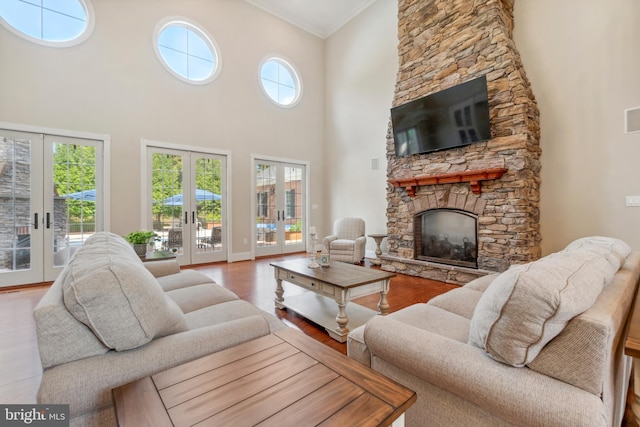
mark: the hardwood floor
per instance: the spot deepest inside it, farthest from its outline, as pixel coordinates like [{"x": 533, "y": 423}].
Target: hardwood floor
[{"x": 20, "y": 369}]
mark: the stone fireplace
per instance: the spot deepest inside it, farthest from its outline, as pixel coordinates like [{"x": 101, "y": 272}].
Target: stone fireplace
[{"x": 493, "y": 185}]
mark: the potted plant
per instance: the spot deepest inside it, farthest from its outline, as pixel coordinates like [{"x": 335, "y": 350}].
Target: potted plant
[
  {"x": 294, "y": 232},
  {"x": 139, "y": 239}
]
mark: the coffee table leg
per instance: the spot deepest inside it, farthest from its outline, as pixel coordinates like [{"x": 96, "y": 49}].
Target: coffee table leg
[
  {"x": 383, "y": 305},
  {"x": 279, "y": 293},
  {"x": 342, "y": 319}
]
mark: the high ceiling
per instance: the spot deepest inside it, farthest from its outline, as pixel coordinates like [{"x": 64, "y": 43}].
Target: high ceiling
[{"x": 319, "y": 17}]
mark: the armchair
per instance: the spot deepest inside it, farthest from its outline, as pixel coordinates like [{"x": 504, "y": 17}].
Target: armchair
[{"x": 347, "y": 243}]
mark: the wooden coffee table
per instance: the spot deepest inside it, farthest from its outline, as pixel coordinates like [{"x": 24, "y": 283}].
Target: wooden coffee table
[
  {"x": 282, "y": 379},
  {"x": 336, "y": 284}
]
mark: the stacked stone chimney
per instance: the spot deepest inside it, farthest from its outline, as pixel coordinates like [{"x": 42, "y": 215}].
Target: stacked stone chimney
[{"x": 443, "y": 43}]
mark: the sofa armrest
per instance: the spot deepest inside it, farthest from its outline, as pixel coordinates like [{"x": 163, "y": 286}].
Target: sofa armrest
[
  {"x": 163, "y": 267},
  {"x": 86, "y": 384},
  {"x": 516, "y": 394}
]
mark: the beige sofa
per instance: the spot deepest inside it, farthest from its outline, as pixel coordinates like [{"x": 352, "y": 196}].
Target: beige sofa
[
  {"x": 110, "y": 319},
  {"x": 538, "y": 345}
]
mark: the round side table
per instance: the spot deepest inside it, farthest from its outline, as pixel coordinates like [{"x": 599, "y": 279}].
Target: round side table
[{"x": 378, "y": 239}]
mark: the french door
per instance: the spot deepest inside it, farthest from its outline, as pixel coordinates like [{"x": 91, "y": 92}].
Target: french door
[
  {"x": 187, "y": 203},
  {"x": 51, "y": 200},
  {"x": 280, "y": 202}
]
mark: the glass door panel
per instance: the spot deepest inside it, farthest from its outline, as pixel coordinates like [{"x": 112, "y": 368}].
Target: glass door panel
[
  {"x": 293, "y": 180},
  {"x": 280, "y": 207},
  {"x": 268, "y": 214},
  {"x": 74, "y": 172},
  {"x": 167, "y": 195},
  {"x": 208, "y": 222},
  {"x": 21, "y": 207}
]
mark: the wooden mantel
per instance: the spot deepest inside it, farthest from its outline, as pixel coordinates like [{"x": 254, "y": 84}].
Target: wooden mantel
[{"x": 474, "y": 178}]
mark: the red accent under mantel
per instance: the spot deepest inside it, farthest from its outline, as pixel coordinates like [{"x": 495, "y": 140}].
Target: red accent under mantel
[{"x": 473, "y": 177}]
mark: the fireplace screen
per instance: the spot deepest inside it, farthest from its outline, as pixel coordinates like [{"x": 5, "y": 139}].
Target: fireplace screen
[{"x": 447, "y": 236}]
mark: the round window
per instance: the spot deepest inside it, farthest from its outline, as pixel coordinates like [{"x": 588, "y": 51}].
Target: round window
[
  {"x": 50, "y": 23},
  {"x": 280, "y": 82},
  {"x": 187, "y": 51}
]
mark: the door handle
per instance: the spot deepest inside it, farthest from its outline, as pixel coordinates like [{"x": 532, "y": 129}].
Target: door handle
[
  {"x": 278, "y": 215},
  {"x": 35, "y": 220},
  {"x": 193, "y": 217},
  {"x": 48, "y": 220},
  {"x": 186, "y": 218}
]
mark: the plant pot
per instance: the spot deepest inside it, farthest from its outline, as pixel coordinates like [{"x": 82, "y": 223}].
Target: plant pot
[
  {"x": 293, "y": 235},
  {"x": 140, "y": 248}
]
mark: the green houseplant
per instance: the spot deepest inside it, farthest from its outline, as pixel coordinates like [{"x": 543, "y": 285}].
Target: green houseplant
[{"x": 139, "y": 239}]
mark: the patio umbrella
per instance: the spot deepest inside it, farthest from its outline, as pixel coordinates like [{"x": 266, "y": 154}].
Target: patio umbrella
[
  {"x": 84, "y": 195},
  {"x": 201, "y": 196}
]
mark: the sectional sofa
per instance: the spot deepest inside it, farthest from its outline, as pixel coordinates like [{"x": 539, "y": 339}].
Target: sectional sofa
[
  {"x": 538, "y": 345},
  {"x": 110, "y": 319}
]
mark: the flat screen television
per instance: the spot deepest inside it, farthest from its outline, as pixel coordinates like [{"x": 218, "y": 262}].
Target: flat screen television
[{"x": 450, "y": 118}]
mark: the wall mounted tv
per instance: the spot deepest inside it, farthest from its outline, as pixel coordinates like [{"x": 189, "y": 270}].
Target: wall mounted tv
[{"x": 453, "y": 117}]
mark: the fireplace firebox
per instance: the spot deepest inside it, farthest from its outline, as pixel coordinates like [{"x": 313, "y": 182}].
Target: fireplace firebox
[{"x": 446, "y": 236}]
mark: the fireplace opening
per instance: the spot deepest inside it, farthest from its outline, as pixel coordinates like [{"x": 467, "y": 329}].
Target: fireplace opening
[{"x": 446, "y": 236}]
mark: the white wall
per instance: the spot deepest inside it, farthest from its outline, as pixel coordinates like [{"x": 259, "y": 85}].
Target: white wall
[
  {"x": 360, "y": 73},
  {"x": 583, "y": 62},
  {"x": 113, "y": 84}
]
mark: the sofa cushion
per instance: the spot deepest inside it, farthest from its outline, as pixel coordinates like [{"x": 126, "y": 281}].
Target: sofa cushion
[
  {"x": 229, "y": 311},
  {"x": 112, "y": 293},
  {"x": 342, "y": 245},
  {"x": 609, "y": 244},
  {"x": 461, "y": 301},
  {"x": 434, "y": 319},
  {"x": 528, "y": 305},
  {"x": 196, "y": 297},
  {"x": 183, "y": 279},
  {"x": 481, "y": 283}
]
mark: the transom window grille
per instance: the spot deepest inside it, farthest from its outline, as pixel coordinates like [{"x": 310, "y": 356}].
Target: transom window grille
[
  {"x": 55, "y": 23},
  {"x": 187, "y": 51},
  {"x": 280, "y": 82}
]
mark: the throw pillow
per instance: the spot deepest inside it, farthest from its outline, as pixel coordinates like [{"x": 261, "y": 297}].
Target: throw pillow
[
  {"x": 117, "y": 298},
  {"x": 528, "y": 305},
  {"x": 614, "y": 249}
]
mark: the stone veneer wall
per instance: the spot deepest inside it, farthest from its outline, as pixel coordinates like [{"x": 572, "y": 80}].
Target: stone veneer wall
[{"x": 443, "y": 43}]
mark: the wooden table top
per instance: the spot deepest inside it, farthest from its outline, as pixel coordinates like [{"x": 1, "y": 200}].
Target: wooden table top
[
  {"x": 286, "y": 378},
  {"x": 339, "y": 274}
]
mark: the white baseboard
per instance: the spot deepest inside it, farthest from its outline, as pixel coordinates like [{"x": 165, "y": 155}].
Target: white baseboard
[{"x": 242, "y": 256}]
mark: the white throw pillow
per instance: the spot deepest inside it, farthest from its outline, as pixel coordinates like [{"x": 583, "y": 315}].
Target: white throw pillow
[
  {"x": 528, "y": 305},
  {"x": 614, "y": 249},
  {"x": 117, "y": 297}
]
